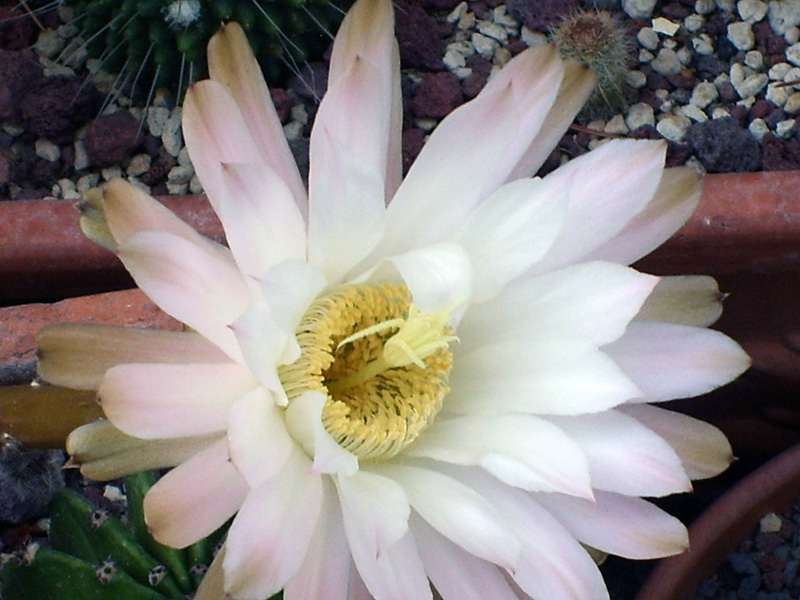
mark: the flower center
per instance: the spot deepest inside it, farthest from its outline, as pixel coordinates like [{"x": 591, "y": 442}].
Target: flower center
[{"x": 382, "y": 363}]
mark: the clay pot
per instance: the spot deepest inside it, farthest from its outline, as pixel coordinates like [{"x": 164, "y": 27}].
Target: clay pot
[{"x": 721, "y": 528}]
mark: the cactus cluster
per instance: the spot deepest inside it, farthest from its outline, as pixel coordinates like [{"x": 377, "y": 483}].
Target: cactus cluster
[
  {"x": 95, "y": 556},
  {"x": 597, "y": 39},
  {"x": 154, "y": 43}
]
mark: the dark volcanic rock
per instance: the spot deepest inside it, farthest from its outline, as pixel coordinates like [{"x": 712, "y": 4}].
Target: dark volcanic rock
[
  {"x": 18, "y": 71},
  {"x": 58, "y": 106},
  {"x": 780, "y": 155},
  {"x": 413, "y": 141},
  {"x": 418, "y": 36},
  {"x": 438, "y": 95},
  {"x": 111, "y": 139},
  {"x": 723, "y": 147},
  {"x": 17, "y": 30},
  {"x": 28, "y": 481},
  {"x": 542, "y": 15},
  {"x": 283, "y": 103}
]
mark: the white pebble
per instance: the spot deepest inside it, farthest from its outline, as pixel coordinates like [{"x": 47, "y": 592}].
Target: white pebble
[
  {"x": 177, "y": 189},
  {"x": 501, "y": 17},
  {"x": 673, "y": 127},
  {"x": 183, "y": 157},
  {"x": 754, "y": 59},
  {"x": 616, "y": 126},
  {"x": 138, "y": 165},
  {"x": 180, "y": 174},
  {"x": 684, "y": 55},
  {"x": 785, "y": 129},
  {"x": 13, "y": 129},
  {"x": 462, "y": 73},
  {"x": 293, "y": 130},
  {"x": 110, "y": 173},
  {"x": 783, "y": 15},
  {"x": 87, "y": 182},
  {"x": 464, "y": 48},
  {"x": 693, "y": 112},
  {"x": 466, "y": 22},
  {"x": 648, "y": 38},
  {"x": 156, "y": 119},
  {"x": 49, "y": 43},
  {"x": 704, "y": 7},
  {"x": 47, "y": 150},
  {"x": 726, "y": 5},
  {"x": 792, "y": 35},
  {"x": 741, "y": 35},
  {"x": 68, "y": 189},
  {"x": 751, "y": 85},
  {"x": 770, "y": 523},
  {"x": 751, "y": 11},
  {"x": 693, "y": 23},
  {"x": 703, "y": 44},
  {"x": 113, "y": 493},
  {"x": 758, "y": 127},
  {"x": 720, "y": 113},
  {"x": 533, "y": 38},
  {"x": 171, "y": 137},
  {"x": 666, "y": 63},
  {"x": 493, "y": 31},
  {"x": 453, "y": 60},
  {"x": 665, "y": 26},
  {"x": 299, "y": 113},
  {"x": 485, "y": 46},
  {"x": 195, "y": 187},
  {"x": 456, "y": 13},
  {"x": 636, "y": 79},
  {"x": 777, "y": 94},
  {"x": 778, "y": 71},
  {"x": 501, "y": 57},
  {"x": 639, "y": 114},
  {"x": 645, "y": 56},
  {"x": 638, "y": 9},
  {"x": 792, "y": 77},
  {"x": 703, "y": 94},
  {"x": 792, "y": 105}
]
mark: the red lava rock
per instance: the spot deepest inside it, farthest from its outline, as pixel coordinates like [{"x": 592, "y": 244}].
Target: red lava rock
[
  {"x": 17, "y": 32},
  {"x": 774, "y": 581},
  {"x": 57, "y": 106},
  {"x": 111, "y": 139},
  {"x": 418, "y": 36},
  {"x": 770, "y": 563},
  {"x": 18, "y": 71},
  {"x": 780, "y": 155},
  {"x": 768, "y": 542},
  {"x": 767, "y": 41},
  {"x": 515, "y": 47},
  {"x": 475, "y": 81},
  {"x": 413, "y": 140},
  {"x": 760, "y": 109},
  {"x": 675, "y": 10},
  {"x": 282, "y": 102},
  {"x": 438, "y": 95},
  {"x": 159, "y": 169},
  {"x": 542, "y": 15},
  {"x": 438, "y": 4},
  {"x": 312, "y": 82}
]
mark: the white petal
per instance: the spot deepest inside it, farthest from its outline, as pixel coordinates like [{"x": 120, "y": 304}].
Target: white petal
[
  {"x": 610, "y": 186},
  {"x": 624, "y": 456},
  {"x": 520, "y": 450},
  {"x": 472, "y": 151},
  {"x": 685, "y": 300},
  {"x": 676, "y": 199},
  {"x": 195, "y": 498},
  {"x": 455, "y": 573},
  {"x": 669, "y": 361},
  {"x": 540, "y": 378},
  {"x": 592, "y": 302},
  {"x": 262, "y": 223},
  {"x": 257, "y": 438},
  {"x": 168, "y": 401},
  {"x": 197, "y": 286},
  {"x": 457, "y": 512},
  {"x": 304, "y": 423},
  {"x": 325, "y": 572},
  {"x": 512, "y": 229},
  {"x": 268, "y": 541},
  {"x": 703, "y": 449},
  {"x": 212, "y": 586},
  {"x": 621, "y": 525}
]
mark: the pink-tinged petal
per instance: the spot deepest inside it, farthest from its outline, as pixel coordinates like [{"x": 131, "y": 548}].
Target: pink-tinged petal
[
  {"x": 703, "y": 449},
  {"x": 617, "y": 524},
  {"x": 103, "y": 452},
  {"x": 195, "y": 498},
  {"x": 201, "y": 288},
  {"x": 624, "y": 456},
  {"x": 78, "y": 355},
  {"x": 685, "y": 300},
  {"x": 166, "y": 401},
  {"x": 438, "y": 276},
  {"x": 669, "y": 361},
  {"x": 396, "y": 574},
  {"x": 213, "y": 585},
  {"x": 550, "y": 378},
  {"x": 520, "y": 450},
  {"x": 473, "y": 151},
  {"x": 304, "y": 423},
  {"x": 325, "y": 572},
  {"x": 512, "y": 229},
  {"x": 609, "y": 187},
  {"x": 576, "y": 87},
  {"x": 258, "y": 443},
  {"x": 456, "y": 573},
  {"x": 589, "y": 302},
  {"x": 375, "y": 512},
  {"x": 346, "y": 211},
  {"x": 269, "y": 539},
  {"x": 232, "y": 64},
  {"x": 676, "y": 199},
  {"x": 552, "y": 564},
  {"x": 216, "y": 133},
  {"x": 458, "y": 512},
  {"x": 263, "y": 225}
]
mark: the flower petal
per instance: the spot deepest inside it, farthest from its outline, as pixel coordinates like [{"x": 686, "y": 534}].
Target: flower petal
[
  {"x": 269, "y": 538},
  {"x": 78, "y": 355},
  {"x": 685, "y": 300},
  {"x": 473, "y": 151},
  {"x": 520, "y": 450},
  {"x": 232, "y": 64},
  {"x": 563, "y": 378},
  {"x": 609, "y": 186},
  {"x": 258, "y": 443},
  {"x": 675, "y": 200},
  {"x": 212, "y": 586},
  {"x": 592, "y": 302},
  {"x": 456, "y": 573},
  {"x": 201, "y": 288},
  {"x": 195, "y": 498},
  {"x": 166, "y": 401},
  {"x": 624, "y": 456},
  {"x": 617, "y": 524},
  {"x": 669, "y": 361},
  {"x": 458, "y": 512},
  {"x": 703, "y": 449},
  {"x": 103, "y": 452},
  {"x": 512, "y": 229}
]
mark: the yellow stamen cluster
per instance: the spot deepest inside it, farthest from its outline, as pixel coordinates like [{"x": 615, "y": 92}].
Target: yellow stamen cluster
[{"x": 382, "y": 363}]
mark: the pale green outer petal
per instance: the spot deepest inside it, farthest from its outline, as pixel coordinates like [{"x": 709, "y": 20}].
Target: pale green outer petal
[
  {"x": 624, "y": 456},
  {"x": 269, "y": 538},
  {"x": 195, "y": 498},
  {"x": 669, "y": 361},
  {"x": 703, "y": 449},
  {"x": 203, "y": 289},
  {"x": 103, "y": 452},
  {"x": 617, "y": 524},
  {"x": 231, "y": 63},
  {"x": 78, "y": 355},
  {"x": 685, "y": 300}
]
